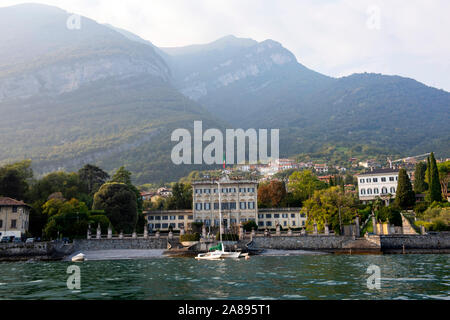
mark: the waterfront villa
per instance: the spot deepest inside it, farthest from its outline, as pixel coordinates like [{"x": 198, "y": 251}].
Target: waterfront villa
[
  {"x": 239, "y": 199},
  {"x": 380, "y": 183},
  {"x": 14, "y": 217}
]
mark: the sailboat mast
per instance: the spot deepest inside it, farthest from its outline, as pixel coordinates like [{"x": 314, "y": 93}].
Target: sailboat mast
[{"x": 220, "y": 213}]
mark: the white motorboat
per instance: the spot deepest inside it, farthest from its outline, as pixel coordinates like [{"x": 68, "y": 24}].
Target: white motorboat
[{"x": 78, "y": 258}]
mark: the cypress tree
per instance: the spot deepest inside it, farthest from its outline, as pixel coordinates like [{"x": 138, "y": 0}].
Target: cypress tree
[
  {"x": 427, "y": 175},
  {"x": 435, "y": 192},
  {"x": 405, "y": 197},
  {"x": 420, "y": 185}
]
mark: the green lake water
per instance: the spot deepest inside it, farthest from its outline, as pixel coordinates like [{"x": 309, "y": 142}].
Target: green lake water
[{"x": 262, "y": 277}]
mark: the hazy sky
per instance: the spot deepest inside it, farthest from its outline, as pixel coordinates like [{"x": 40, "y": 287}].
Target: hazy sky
[{"x": 335, "y": 37}]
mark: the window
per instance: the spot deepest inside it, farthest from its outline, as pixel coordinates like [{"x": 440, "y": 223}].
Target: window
[
  {"x": 276, "y": 215},
  {"x": 376, "y": 191},
  {"x": 260, "y": 216},
  {"x": 369, "y": 191},
  {"x": 233, "y": 190},
  {"x": 180, "y": 217},
  {"x": 303, "y": 223},
  {"x": 293, "y": 223},
  {"x": 391, "y": 178},
  {"x": 198, "y": 206},
  {"x": 285, "y": 216},
  {"x": 292, "y": 215},
  {"x": 191, "y": 217},
  {"x": 157, "y": 217},
  {"x": 284, "y": 223},
  {"x": 384, "y": 190},
  {"x": 232, "y": 205},
  {"x": 157, "y": 225},
  {"x": 207, "y": 191},
  {"x": 1, "y": 223},
  {"x": 181, "y": 225},
  {"x": 151, "y": 218},
  {"x": 165, "y": 225},
  {"x": 13, "y": 224},
  {"x": 269, "y": 223},
  {"x": 383, "y": 179},
  {"x": 207, "y": 206},
  {"x": 369, "y": 180},
  {"x": 396, "y": 178},
  {"x": 242, "y": 190},
  {"x": 172, "y": 225},
  {"x": 14, "y": 209},
  {"x": 198, "y": 191},
  {"x": 165, "y": 217},
  {"x": 216, "y": 190},
  {"x": 243, "y": 205},
  {"x": 173, "y": 217},
  {"x": 216, "y": 206},
  {"x": 392, "y": 190},
  {"x": 251, "y": 189},
  {"x": 260, "y": 223},
  {"x": 268, "y": 216},
  {"x": 224, "y": 205},
  {"x": 361, "y": 181},
  {"x": 251, "y": 205},
  {"x": 375, "y": 179},
  {"x": 363, "y": 191}
]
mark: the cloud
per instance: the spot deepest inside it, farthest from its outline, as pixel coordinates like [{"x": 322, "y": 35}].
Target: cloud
[{"x": 332, "y": 37}]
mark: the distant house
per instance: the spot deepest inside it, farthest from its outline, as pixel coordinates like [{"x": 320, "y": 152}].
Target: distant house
[
  {"x": 325, "y": 178},
  {"x": 14, "y": 217},
  {"x": 147, "y": 195},
  {"x": 381, "y": 183},
  {"x": 164, "y": 192},
  {"x": 321, "y": 168}
]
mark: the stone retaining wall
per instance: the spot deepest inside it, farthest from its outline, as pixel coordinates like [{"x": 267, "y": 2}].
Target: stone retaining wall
[
  {"x": 38, "y": 250},
  {"x": 302, "y": 243},
  {"x": 438, "y": 242},
  {"x": 111, "y": 244}
]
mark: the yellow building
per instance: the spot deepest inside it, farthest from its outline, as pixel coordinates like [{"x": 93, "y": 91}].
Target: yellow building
[{"x": 14, "y": 217}]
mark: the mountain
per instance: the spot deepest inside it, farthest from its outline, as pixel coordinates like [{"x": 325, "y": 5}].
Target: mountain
[
  {"x": 102, "y": 95},
  {"x": 262, "y": 85},
  {"x": 236, "y": 78},
  {"x": 69, "y": 97}
]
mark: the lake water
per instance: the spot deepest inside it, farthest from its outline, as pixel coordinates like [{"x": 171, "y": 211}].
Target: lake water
[{"x": 275, "y": 275}]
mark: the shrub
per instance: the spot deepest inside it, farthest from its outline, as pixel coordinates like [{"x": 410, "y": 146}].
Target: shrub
[
  {"x": 249, "y": 225},
  {"x": 228, "y": 237},
  {"x": 190, "y": 237}
]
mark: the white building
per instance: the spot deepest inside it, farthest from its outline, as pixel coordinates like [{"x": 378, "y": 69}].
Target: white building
[
  {"x": 239, "y": 199},
  {"x": 380, "y": 183}
]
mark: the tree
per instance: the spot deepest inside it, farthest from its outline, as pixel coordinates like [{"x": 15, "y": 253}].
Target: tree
[
  {"x": 420, "y": 186},
  {"x": 122, "y": 175},
  {"x": 14, "y": 180},
  {"x": 303, "y": 184},
  {"x": 434, "y": 190},
  {"x": 181, "y": 197},
  {"x": 272, "y": 194},
  {"x": 405, "y": 197},
  {"x": 118, "y": 201},
  {"x": 92, "y": 177},
  {"x": 70, "y": 218},
  {"x": 330, "y": 206},
  {"x": 444, "y": 176}
]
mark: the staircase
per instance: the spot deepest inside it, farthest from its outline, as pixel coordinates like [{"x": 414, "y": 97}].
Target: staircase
[{"x": 408, "y": 225}]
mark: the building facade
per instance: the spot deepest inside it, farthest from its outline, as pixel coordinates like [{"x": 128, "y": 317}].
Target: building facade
[
  {"x": 239, "y": 201},
  {"x": 14, "y": 217},
  {"x": 169, "y": 219},
  {"x": 285, "y": 217},
  {"x": 381, "y": 183}
]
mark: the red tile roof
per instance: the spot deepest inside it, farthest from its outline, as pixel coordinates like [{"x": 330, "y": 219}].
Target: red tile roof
[{"x": 4, "y": 201}]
